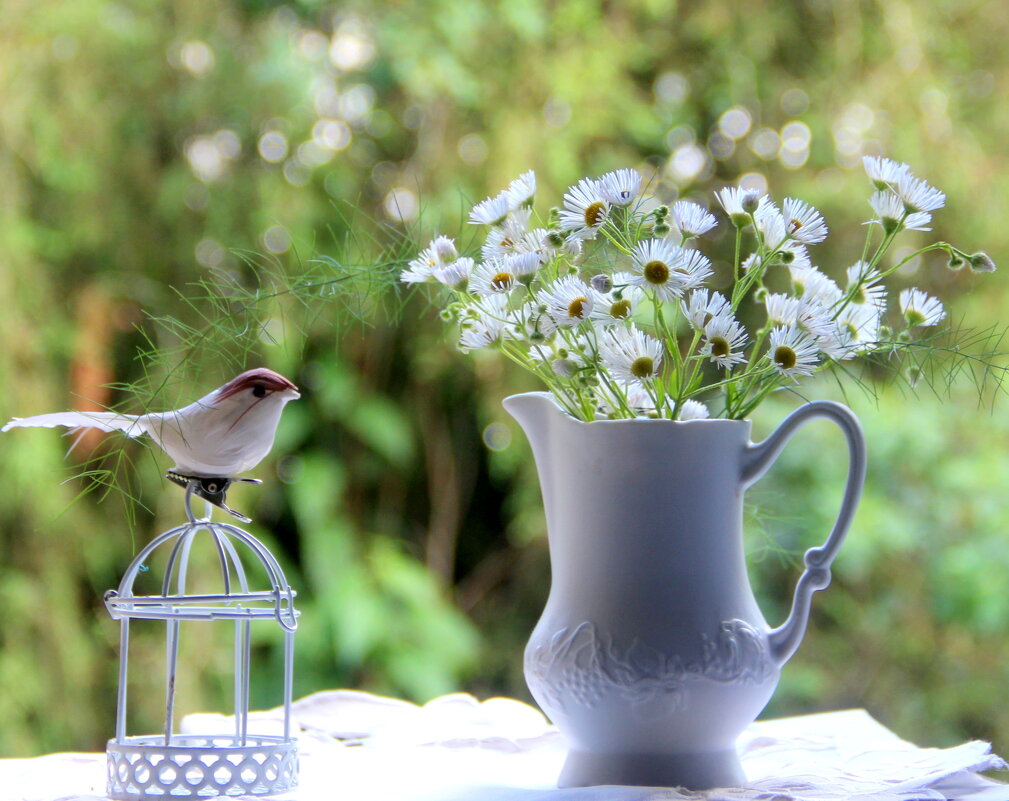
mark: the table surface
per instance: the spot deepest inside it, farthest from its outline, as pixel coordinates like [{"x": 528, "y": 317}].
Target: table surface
[{"x": 363, "y": 747}]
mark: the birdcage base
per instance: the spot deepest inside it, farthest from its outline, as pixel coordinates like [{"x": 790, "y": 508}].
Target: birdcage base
[{"x": 200, "y": 766}]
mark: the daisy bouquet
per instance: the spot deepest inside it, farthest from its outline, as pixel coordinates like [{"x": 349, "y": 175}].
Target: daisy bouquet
[{"x": 610, "y": 301}]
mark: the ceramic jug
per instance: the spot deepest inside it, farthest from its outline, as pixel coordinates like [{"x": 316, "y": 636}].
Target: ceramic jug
[{"x": 651, "y": 655}]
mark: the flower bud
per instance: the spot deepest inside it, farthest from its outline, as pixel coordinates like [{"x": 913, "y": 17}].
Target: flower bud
[
  {"x": 447, "y": 315},
  {"x": 914, "y": 375},
  {"x": 555, "y": 239},
  {"x": 750, "y": 201},
  {"x": 981, "y": 262},
  {"x": 553, "y": 217},
  {"x": 537, "y": 336},
  {"x": 661, "y": 229},
  {"x": 885, "y": 333},
  {"x": 786, "y": 257},
  {"x": 761, "y": 294},
  {"x": 661, "y": 212},
  {"x": 904, "y": 337},
  {"x": 955, "y": 262},
  {"x": 601, "y": 283},
  {"x": 444, "y": 249}
]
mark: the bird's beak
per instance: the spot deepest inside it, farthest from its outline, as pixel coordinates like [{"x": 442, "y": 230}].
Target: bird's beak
[{"x": 293, "y": 394}]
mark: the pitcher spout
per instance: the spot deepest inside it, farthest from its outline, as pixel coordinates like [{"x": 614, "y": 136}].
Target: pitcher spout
[{"x": 535, "y": 412}]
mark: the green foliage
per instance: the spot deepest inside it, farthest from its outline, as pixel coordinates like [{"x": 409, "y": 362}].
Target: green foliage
[{"x": 135, "y": 205}]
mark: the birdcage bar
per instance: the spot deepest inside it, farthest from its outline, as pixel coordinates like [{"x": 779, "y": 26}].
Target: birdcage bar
[
  {"x": 138, "y": 765},
  {"x": 172, "y": 662}
]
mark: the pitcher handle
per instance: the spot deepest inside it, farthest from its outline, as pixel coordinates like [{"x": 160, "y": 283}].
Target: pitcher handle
[{"x": 784, "y": 640}]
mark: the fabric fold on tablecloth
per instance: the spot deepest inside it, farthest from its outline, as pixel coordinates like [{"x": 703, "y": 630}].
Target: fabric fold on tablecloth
[{"x": 361, "y": 747}]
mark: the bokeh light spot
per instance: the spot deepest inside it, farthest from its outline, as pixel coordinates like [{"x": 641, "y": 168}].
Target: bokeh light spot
[
  {"x": 735, "y": 122},
  {"x": 197, "y": 58},
  {"x": 273, "y": 146},
  {"x": 472, "y": 149},
  {"x": 276, "y": 239},
  {"x": 671, "y": 88},
  {"x": 209, "y": 252},
  {"x": 400, "y": 204},
  {"x": 497, "y": 436}
]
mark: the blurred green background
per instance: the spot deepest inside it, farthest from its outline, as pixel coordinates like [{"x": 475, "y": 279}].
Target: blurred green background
[{"x": 147, "y": 146}]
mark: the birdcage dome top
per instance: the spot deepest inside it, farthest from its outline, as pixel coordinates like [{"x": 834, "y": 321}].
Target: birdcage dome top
[{"x": 240, "y": 559}]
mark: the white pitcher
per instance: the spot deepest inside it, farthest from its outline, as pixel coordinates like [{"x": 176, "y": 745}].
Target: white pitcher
[{"x": 651, "y": 655}]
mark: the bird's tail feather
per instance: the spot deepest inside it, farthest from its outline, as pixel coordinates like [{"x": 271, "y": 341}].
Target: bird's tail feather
[{"x": 104, "y": 421}]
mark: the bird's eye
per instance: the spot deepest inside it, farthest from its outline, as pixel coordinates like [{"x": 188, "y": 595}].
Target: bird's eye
[{"x": 259, "y": 391}]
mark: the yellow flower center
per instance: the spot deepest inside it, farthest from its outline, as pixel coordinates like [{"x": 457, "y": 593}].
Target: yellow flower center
[
  {"x": 642, "y": 367},
  {"x": 620, "y": 309},
  {"x": 656, "y": 272},
  {"x": 594, "y": 213},
  {"x": 502, "y": 281},
  {"x": 784, "y": 357},
  {"x": 720, "y": 347},
  {"x": 576, "y": 308}
]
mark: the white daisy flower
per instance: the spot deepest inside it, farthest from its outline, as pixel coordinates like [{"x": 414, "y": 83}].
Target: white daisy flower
[
  {"x": 504, "y": 239},
  {"x": 492, "y": 211},
  {"x": 815, "y": 318},
  {"x": 792, "y": 352},
  {"x": 634, "y": 393},
  {"x": 782, "y": 309},
  {"x": 738, "y": 203},
  {"x": 585, "y": 209},
  {"x": 620, "y": 187},
  {"x": 630, "y": 355},
  {"x": 619, "y": 304},
  {"x": 655, "y": 263},
  {"x": 484, "y": 323},
  {"x": 573, "y": 247},
  {"x": 691, "y": 219},
  {"x": 455, "y": 274},
  {"x": 724, "y": 339},
  {"x": 569, "y": 301},
  {"x": 420, "y": 269},
  {"x": 883, "y": 172},
  {"x": 918, "y": 195},
  {"x": 693, "y": 410},
  {"x": 811, "y": 284},
  {"x": 536, "y": 241},
  {"x": 893, "y": 216},
  {"x": 919, "y": 308},
  {"x": 701, "y": 306},
  {"x": 520, "y": 192},
  {"x": 794, "y": 255},
  {"x": 524, "y": 265},
  {"x": 864, "y": 286},
  {"x": 837, "y": 342},
  {"x": 770, "y": 224},
  {"x": 861, "y": 323},
  {"x": 493, "y": 277},
  {"x": 693, "y": 267},
  {"x": 440, "y": 252},
  {"x": 803, "y": 222}
]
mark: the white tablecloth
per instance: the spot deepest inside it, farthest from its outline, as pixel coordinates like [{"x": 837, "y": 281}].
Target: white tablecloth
[{"x": 360, "y": 747}]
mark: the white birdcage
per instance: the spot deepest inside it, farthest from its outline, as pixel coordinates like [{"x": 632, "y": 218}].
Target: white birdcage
[{"x": 172, "y": 765}]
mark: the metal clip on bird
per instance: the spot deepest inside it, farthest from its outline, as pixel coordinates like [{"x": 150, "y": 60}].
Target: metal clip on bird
[{"x": 212, "y": 490}]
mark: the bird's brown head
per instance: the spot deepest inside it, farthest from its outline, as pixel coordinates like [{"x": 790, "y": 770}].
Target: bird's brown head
[{"x": 260, "y": 381}]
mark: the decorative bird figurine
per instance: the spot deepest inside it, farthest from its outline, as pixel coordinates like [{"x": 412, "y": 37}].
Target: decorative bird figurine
[{"x": 212, "y": 441}]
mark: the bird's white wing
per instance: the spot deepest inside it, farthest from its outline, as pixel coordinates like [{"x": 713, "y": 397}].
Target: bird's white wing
[{"x": 104, "y": 421}]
